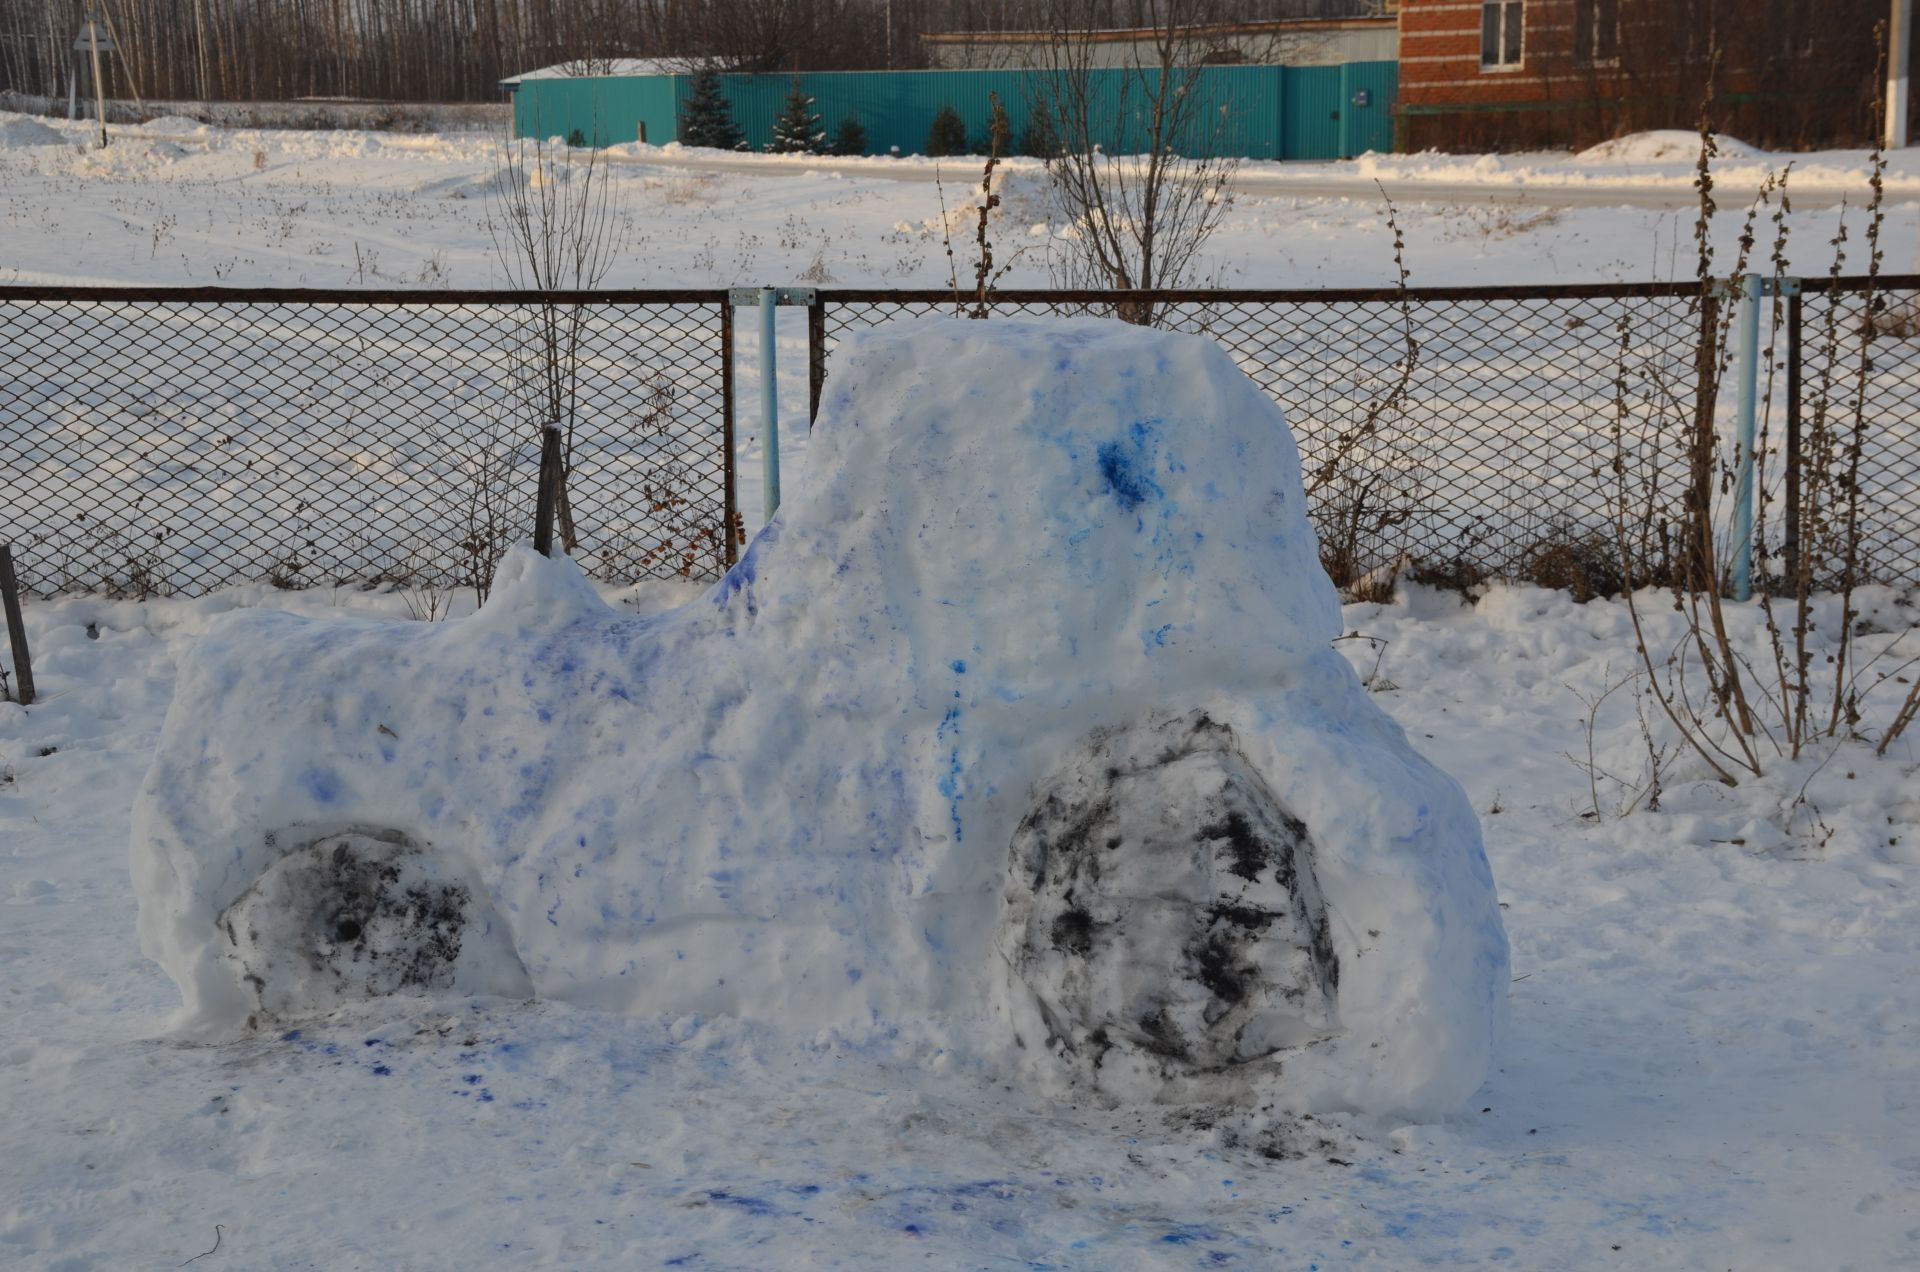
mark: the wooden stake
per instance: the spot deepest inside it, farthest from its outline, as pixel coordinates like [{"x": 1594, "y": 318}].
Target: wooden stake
[
  {"x": 16, "y": 627},
  {"x": 551, "y": 466}
]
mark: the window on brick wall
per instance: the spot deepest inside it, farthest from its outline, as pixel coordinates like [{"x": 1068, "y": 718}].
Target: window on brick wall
[
  {"x": 1501, "y": 24},
  {"x": 1796, "y": 29},
  {"x": 1596, "y": 31}
]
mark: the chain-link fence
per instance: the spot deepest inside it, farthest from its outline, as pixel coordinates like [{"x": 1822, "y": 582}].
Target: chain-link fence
[
  {"x": 176, "y": 441},
  {"x": 1858, "y": 379},
  {"x": 1468, "y": 433}
]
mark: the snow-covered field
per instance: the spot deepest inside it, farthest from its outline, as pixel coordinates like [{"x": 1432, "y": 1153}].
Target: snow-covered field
[
  {"x": 173, "y": 202},
  {"x": 1711, "y": 1059}
]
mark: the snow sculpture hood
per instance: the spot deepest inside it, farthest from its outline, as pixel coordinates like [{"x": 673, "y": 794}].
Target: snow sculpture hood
[{"x": 1039, "y": 566}]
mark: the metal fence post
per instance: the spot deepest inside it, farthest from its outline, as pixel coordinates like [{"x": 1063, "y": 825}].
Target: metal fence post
[
  {"x": 1791, "y": 548},
  {"x": 769, "y": 299},
  {"x": 731, "y": 497},
  {"x": 1747, "y": 369},
  {"x": 769, "y": 402}
]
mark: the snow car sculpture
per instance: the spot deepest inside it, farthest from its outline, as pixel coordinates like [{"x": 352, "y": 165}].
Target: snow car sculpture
[{"x": 1018, "y": 734}]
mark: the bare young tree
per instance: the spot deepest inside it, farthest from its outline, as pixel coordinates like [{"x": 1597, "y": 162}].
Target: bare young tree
[
  {"x": 1143, "y": 213},
  {"x": 555, "y": 221}
]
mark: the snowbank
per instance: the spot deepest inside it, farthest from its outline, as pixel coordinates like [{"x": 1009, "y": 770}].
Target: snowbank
[
  {"x": 19, "y": 131},
  {"x": 184, "y": 125},
  {"x": 1663, "y": 145},
  {"x": 1018, "y": 739}
]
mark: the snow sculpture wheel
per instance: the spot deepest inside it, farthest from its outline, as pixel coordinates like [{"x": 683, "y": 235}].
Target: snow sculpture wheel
[
  {"x": 362, "y": 914},
  {"x": 1162, "y": 909}
]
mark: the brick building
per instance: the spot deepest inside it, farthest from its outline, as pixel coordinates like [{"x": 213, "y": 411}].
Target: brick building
[{"x": 1509, "y": 74}]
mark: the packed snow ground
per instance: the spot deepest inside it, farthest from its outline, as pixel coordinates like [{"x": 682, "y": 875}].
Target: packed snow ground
[{"x": 1711, "y": 1059}]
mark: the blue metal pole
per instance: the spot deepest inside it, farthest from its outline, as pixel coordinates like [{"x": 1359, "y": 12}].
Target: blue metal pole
[
  {"x": 769, "y": 402},
  {"x": 1741, "y": 544}
]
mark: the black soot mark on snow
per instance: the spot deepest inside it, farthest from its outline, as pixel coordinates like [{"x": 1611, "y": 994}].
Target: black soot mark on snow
[{"x": 1205, "y": 888}]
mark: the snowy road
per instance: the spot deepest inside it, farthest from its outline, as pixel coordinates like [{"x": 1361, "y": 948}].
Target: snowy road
[
  {"x": 1274, "y": 180},
  {"x": 1543, "y": 181}
]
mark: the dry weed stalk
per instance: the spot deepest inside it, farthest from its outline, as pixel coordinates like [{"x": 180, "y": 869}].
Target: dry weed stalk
[
  {"x": 1726, "y": 711},
  {"x": 1369, "y": 484}
]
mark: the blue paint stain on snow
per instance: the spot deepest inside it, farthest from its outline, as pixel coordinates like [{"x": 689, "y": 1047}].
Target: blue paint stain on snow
[
  {"x": 950, "y": 781},
  {"x": 325, "y": 785},
  {"x": 752, "y": 1205},
  {"x": 1126, "y": 466},
  {"x": 1125, "y": 479},
  {"x": 959, "y": 667},
  {"x": 1187, "y": 1235},
  {"x": 381, "y": 1071},
  {"x": 746, "y": 571},
  {"x": 1149, "y": 641}
]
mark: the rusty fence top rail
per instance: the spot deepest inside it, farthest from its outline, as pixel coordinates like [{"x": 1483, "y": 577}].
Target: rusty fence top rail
[
  {"x": 362, "y": 296},
  {"x": 1339, "y": 295},
  {"x": 17, "y": 293}
]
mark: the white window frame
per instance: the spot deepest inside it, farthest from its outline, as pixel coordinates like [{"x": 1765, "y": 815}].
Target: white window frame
[{"x": 1510, "y": 11}]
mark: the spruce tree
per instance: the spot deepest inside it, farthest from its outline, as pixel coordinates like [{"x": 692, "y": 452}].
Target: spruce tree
[
  {"x": 948, "y": 135},
  {"x": 706, "y": 119},
  {"x": 798, "y": 130},
  {"x": 1041, "y": 140},
  {"x": 850, "y": 138}
]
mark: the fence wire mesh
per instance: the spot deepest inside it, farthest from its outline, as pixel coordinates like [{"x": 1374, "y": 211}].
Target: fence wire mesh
[
  {"x": 1463, "y": 434},
  {"x": 1860, "y": 349},
  {"x": 175, "y": 442}
]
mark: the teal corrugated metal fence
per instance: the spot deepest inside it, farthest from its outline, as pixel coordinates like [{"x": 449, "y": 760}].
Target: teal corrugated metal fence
[
  {"x": 1259, "y": 112},
  {"x": 1310, "y": 112},
  {"x": 598, "y": 111},
  {"x": 1366, "y": 120}
]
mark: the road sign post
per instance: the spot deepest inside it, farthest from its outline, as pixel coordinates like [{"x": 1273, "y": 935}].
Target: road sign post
[{"x": 93, "y": 41}]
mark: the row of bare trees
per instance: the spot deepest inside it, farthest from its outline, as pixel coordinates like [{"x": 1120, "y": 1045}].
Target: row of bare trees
[{"x": 458, "y": 50}]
